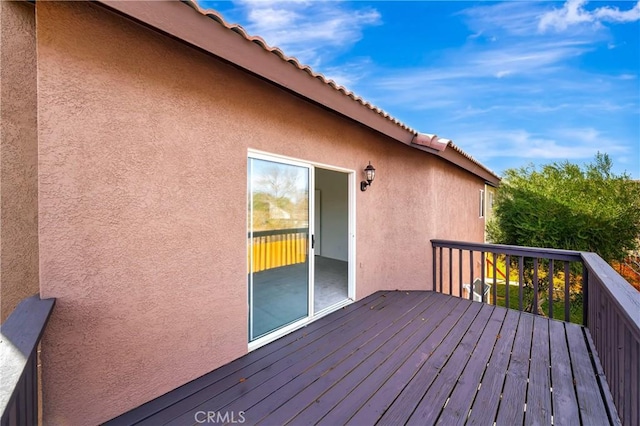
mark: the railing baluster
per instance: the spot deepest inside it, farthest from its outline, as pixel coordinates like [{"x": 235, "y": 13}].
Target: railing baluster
[
  {"x": 550, "y": 281},
  {"x": 450, "y": 270},
  {"x": 31, "y": 392},
  {"x": 535, "y": 285},
  {"x": 585, "y": 293},
  {"x": 471, "y": 278},
  {"x": 567, "y": 286},
  {"x": 520, "y": 281},
  {"x": 460, "y": 267},
  {"x": 494, "y": 289},
  {"x": 508, "y": 285},
  {"x": 441, "y": 283},
  {"x": 482, "y": 277}
]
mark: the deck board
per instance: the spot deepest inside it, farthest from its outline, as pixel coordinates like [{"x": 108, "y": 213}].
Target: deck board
[
  {"x": 315, "y": 382},
  {"x": 485, "y": 405},
  {"x": 539, "y": 390},
  {"x": 565, "y": 405},
  {"x": 381, "y": 400},
  {"x": 253, "y": 384},
  {"x": 463, "y": 394},
  {"x": 380, "y": 359},
  {"x": 514, "y": 394},
  {"x": 349, "y": 404},
  {"x": 437, "y": 394},
  {"x": 591, "y": 405},
  {"x": 403, "y": 357},
  {"x": 411, "y": 395}
]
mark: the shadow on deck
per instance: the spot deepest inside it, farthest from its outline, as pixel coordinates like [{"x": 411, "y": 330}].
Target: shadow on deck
[{"x": 399, "y": 357}]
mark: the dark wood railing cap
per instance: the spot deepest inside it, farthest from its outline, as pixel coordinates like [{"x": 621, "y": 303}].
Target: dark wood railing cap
[
  {"x": 539, "y": 252},
  {"x": 19, "y": 337},
  {"x": 626, "y": 298}
]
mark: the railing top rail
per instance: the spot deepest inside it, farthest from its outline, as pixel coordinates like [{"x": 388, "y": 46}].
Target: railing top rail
[
  {"x": 539, "y": 252},
  {"x": 19, "y": 337},
  {"x": 626, "y": 298},
  {"x": 277, "y": 232}
]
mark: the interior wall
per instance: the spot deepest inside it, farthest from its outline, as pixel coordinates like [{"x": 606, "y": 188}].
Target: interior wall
[
  {"x": 18, "y": 155},
  {"x": 334, "y": 213}
]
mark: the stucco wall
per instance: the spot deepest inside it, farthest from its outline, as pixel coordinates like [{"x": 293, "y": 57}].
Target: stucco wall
[
  {"x": 18, "y": 156},
  {"x": 143, "y": 145}
]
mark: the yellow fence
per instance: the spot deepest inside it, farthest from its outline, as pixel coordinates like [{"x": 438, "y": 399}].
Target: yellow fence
[
  {"x": 514, "y": 277},
  {"x": 272, "y": 249}
]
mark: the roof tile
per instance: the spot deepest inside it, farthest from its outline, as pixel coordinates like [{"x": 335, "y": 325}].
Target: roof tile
[{"x": 428, "y": 140}]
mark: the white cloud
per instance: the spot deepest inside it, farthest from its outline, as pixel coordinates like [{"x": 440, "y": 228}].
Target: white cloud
[
  {"x": 526, "y": 57},
  {"x": 548, "y": 144},
  {"x": 311, "y": 31},
  {"x": 574, "y": 13},
  {"x": 477, "y": 74},
  {"x": 513, "y": 18},
  {"x": 348, "y": 74}
]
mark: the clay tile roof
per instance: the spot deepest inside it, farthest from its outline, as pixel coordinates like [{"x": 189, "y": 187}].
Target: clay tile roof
[
  {"x": 432, "y": 142},
  {"x": 293, "y": 61},
  {"x": 464, "y": 154}
]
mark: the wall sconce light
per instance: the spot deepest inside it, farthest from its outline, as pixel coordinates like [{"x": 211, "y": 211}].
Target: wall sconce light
[{"x": 370, "y": 174}]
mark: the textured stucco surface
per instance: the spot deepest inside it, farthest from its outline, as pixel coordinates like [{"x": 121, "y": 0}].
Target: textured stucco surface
[
  {"x": 18, "y": 156},
  {"x": 142, "y": 160}
]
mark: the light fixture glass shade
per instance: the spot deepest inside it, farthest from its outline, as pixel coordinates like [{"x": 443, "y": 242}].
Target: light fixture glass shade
[{"x": 370, "y": 172}]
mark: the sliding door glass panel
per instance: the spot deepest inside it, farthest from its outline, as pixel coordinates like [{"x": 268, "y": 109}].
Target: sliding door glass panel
[{"x": 277, "y": 245}]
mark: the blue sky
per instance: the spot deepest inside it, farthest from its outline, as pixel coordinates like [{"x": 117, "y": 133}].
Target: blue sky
[{"x": 511, "y": 83}]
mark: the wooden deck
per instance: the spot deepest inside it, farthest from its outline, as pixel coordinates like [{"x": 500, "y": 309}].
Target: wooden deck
[{"x": 403, "y": 358}]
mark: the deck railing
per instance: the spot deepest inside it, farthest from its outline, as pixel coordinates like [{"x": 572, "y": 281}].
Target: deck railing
[
  {"x": 278, "y": 247},
  {"x": 614, "y": 322},
  {"x": 526, "y": 277},
  {"x": 20, "y": 335},
  {"x": 608, "y": 306}
]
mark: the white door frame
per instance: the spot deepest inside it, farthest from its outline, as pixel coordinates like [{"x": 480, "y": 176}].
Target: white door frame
[{"x": 312, "y": 316}]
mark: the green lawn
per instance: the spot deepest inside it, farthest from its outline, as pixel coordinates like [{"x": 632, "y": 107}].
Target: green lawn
[{"x": 575, "y": 311}]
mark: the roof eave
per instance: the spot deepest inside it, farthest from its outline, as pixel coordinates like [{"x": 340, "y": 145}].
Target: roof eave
[
  {"x": 178, "y": 20},
  {"x": 251, "y": 54}
]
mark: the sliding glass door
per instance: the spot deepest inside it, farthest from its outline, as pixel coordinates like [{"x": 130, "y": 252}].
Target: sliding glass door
[{"x": 278, "y": 248}]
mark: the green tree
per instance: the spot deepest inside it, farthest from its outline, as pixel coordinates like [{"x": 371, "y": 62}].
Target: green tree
[{"x": 565, "y": 206}]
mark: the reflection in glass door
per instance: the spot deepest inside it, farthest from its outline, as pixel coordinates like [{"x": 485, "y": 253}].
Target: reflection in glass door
[{"x": 278, "y": 249}]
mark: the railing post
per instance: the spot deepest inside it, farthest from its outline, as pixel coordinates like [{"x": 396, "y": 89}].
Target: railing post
[
  {"x": 433, "y": 258},
  {"x": 21, "y": 333}
]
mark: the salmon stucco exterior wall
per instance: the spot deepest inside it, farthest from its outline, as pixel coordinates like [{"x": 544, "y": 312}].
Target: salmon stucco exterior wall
[
  {"x": 143, "y": 147},
  {"x": 18, "y": 156}
]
